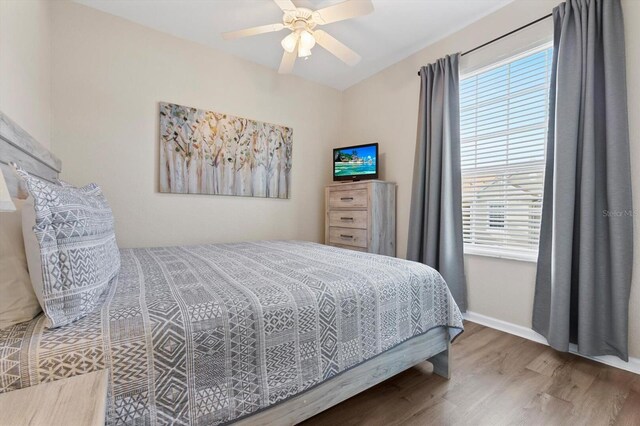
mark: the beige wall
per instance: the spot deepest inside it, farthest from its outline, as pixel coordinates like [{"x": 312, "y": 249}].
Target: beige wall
[
  {"x": 109, "y": 75},
  {"x": 25, "y": 65},
  {"x": 384, "y": 108}
]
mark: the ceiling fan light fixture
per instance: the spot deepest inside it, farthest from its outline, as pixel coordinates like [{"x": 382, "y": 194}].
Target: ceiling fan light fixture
[
  {"x": 303, "y": 53},
  {"x": 307, "y": 40},
  {"x": 289, "y": 42}
]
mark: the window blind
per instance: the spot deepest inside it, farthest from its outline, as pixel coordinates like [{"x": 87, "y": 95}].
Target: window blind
[{"x": 503, "y": 124}]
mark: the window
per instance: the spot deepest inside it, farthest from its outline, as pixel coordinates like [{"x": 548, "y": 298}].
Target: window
[
  {"x": 503, "y": 126},
  {"x": 496, "y": 216}
]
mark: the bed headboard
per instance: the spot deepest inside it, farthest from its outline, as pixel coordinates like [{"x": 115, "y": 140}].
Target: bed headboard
[{"x": 20, "y": 147}]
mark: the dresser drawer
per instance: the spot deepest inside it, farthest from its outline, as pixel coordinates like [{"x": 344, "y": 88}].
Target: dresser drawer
[
  {"x": 348, "y": 236},
  {"x": 362, "y": 249},
  {"x": 348, "y": 198},
  {"x": 348, "y": 218}
]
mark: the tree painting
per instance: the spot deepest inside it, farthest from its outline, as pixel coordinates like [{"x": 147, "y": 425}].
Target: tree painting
[{"x": 205, "y": 152}]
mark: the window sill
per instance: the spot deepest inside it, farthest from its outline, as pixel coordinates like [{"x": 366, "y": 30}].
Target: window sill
[{"x": 521, "y": 256}]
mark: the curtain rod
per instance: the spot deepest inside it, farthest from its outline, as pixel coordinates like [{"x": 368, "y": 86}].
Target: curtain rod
[{"x": 505, "y": 35}]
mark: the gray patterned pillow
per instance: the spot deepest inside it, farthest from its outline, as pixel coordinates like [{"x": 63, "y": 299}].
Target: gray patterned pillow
[{"x": 78, "y": 254}]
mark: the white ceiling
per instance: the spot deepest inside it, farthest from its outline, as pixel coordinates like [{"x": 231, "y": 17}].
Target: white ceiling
[{"x": 395, "y": 29}]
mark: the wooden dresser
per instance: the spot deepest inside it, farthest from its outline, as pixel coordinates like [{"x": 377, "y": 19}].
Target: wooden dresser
[{"x": 361, "y": 216}]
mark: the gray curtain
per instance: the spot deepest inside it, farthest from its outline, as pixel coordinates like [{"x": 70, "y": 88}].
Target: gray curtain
[
  {"x": 435, "y": 224},
  {"x": 586, "y": 241}
]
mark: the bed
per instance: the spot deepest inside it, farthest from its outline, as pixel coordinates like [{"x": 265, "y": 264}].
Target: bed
[{"x": 252, "y": 332}]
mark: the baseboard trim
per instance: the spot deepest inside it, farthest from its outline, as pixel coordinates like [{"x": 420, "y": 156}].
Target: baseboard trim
[{"x": 526, "y": 333}]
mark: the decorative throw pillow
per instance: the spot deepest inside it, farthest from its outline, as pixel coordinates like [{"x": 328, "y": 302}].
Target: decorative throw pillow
[
  {"x": 18, "y": 303},
  {"x": 88, "y": 187},
  {"x": 71, "y": 247}
]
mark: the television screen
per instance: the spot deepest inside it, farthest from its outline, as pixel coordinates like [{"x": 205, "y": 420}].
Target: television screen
[{"x": 355, "y": 162}]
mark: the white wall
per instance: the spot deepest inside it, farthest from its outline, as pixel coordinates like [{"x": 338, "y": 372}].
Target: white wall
[
  {"x": 25, "y": 65},
  {"x": 384, "y": 108},
  {"x": 109, "y": 75}
]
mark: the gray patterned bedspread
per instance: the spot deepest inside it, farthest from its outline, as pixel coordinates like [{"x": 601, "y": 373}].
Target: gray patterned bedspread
[{"x": 208, "y": 334}]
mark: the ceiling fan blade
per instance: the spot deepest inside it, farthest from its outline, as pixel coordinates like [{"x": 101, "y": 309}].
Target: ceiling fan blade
[
  {"x": 288, "y": 59},
  {"x": 285, "y": 5},
  {"x": 335, "y": 47},
  {"x": 341, "y": 11},
  {"x": 230, "y": 35}
]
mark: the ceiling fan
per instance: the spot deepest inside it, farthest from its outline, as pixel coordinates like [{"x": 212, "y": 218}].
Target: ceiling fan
[{"x": 302, "y": 23}]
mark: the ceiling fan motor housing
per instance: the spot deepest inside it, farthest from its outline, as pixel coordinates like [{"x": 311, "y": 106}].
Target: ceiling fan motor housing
[{"x": 299, "y": 19}]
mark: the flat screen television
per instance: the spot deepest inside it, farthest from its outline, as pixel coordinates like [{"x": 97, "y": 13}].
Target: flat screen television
[{"x": 355, "y": 162}]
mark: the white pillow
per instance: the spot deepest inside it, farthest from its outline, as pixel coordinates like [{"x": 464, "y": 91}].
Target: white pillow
[
  {"x": 18, "y": 302},
  {"x": 32, "y": 249}
]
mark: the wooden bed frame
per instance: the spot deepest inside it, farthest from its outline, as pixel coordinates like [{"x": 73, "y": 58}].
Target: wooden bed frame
[
  {"x": 16, "y": 145},
  {"x": 19, "y": 147},
  {"x": 432, "y": 346}
]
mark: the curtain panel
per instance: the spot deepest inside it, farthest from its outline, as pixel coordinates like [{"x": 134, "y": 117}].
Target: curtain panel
[
  {"x": 586, "y": 239},
  {"x": 435, "y": 223}
]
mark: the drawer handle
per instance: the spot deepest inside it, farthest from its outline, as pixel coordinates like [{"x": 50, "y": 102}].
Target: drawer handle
[
  {"x": 346, "y": 199},
  {"x": 346, "y": 236},
  {"x": 346, "y": 218}
]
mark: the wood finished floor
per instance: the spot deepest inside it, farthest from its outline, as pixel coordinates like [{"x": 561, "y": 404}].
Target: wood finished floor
[{"x": 498, "y": 379}]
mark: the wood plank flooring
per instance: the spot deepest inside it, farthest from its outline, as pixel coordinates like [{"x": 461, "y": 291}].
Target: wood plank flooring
[{"x": 497, "y": 379}]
